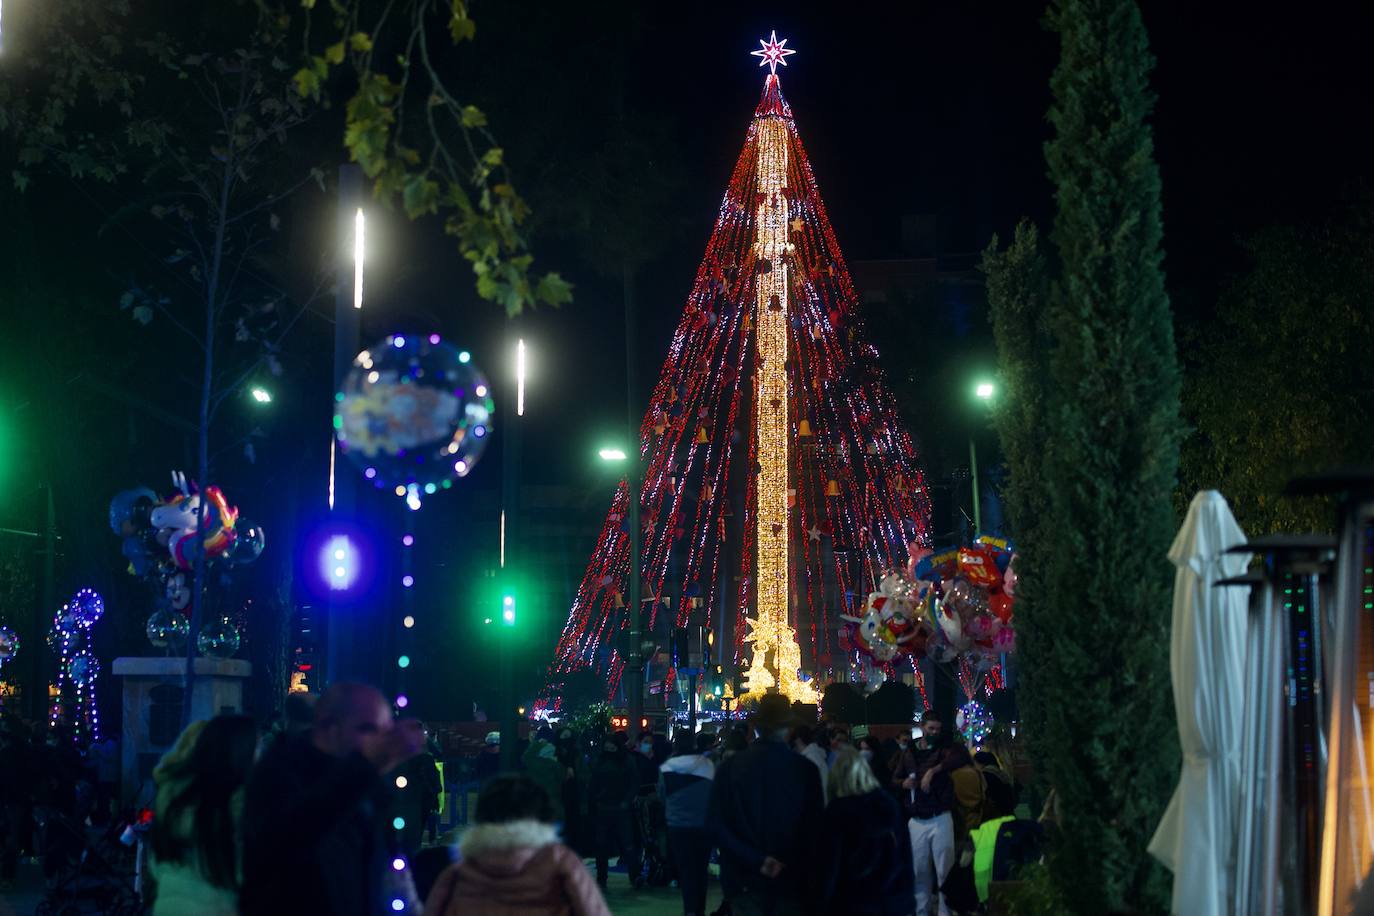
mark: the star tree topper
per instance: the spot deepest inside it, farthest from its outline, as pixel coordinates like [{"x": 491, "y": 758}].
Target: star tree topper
[{"x": 773, "y": 52}]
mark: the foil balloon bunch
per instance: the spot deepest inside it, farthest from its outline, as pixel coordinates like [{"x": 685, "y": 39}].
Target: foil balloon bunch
[
  {"x": 162, "y": 538},
  {"x": 892, "y": 622},
  {"x": 970, "y": 600}
]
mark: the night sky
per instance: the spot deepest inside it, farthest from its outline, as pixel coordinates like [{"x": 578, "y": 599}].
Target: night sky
[{"x": 903, "y": 108}]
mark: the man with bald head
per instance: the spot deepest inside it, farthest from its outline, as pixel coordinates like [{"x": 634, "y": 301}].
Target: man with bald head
[{"x": 314, "y": 840}]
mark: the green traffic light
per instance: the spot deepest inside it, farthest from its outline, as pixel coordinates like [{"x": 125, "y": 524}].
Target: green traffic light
[{"x": 508, "y": 610}]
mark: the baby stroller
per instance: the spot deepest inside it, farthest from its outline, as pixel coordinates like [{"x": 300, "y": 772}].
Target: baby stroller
[{"x": 85, "y": 874}]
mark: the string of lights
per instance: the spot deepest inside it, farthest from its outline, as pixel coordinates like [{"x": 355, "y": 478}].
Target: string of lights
[{"x": 771, "y": 447}]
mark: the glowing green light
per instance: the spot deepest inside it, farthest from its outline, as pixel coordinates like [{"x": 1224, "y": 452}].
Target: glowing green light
[
  {"x": 403, "y": 661},
  {"x": 399, "y": 823},
  {"x": 338, "y": 421}
]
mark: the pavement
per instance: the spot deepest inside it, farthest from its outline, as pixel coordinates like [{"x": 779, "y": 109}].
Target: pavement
[
  {"x": 623, "y": 900},
  {"x": 651, "y": 901},
  {"x": 24, "y": 897}
]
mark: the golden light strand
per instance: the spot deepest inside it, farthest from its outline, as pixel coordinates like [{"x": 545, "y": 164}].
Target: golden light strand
[{"x": 769, "y": 629}]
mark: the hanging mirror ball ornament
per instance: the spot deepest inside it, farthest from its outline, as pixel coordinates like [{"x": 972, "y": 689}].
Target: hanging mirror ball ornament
[
  {"x": 83, "y": 668},
  {"x": 9, "y": 644},
  {"x": 167, "y": 629},
  {"x": 218, "y": 640},
  {"x": 87, "y": 608},
  {"x": 413, "y": 414}
]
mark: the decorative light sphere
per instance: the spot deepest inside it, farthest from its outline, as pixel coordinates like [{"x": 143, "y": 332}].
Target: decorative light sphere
[
  {"x": 9, "y": 644},
  {"x": 167, "y": 629},
  {"x": 86, "y": 607},
  {"x": 218, "y": 639},
  {"x": 975, "y": 723},
  {"x": 409, "y": 410}
]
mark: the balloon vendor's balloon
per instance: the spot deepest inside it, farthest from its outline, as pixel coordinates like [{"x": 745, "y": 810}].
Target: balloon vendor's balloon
[
  {"x": 178, "y": 589},
  {"x": 177, "y": 521},
  {"x": 1001, "y": 605},
  {"x": 87, "y": 607},
  {"x": 167, "y": 629},
  {"x": 1009, "y": 578},
  {"x": 82, "y": 668},
  {"x": 129, "y": 510},
  {"x": 9, "y": 644},
  {"x": 65, "y": 620},
  {"x": 413, "y": 413},
  {"x": 219, "y": 639},
  {"x": 249, "y": 543}
]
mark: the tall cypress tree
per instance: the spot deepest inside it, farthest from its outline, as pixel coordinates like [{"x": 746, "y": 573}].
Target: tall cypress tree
[{"x": 1101, "y": 397}]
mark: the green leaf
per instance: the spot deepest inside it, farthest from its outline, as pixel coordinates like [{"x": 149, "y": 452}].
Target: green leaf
[
  {"x": 360, "y": 41},
  {"x": 307, "y": 83},
  {"x": 420, "y": 196},
  {"x": 492, "y": 157},
  {"x": 473, "y": 116},
  {"x": 552, "y": 289},
  {"x": 460, "y": 26},
  {"x": 308, "y": 4},
  {"x": 334, "y": 53}
]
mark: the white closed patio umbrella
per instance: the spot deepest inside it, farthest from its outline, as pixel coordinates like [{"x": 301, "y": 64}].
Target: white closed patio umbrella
[{"x": 1196, "y": 838}]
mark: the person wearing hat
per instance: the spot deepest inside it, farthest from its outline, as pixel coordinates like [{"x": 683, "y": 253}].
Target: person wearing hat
[
  {"x": 765, "y": 814},
  {"x": 489, "y": 758}
]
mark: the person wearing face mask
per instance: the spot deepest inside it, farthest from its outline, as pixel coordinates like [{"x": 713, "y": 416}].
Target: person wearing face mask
[
  {"x": 870, "y": 750},
  {"x": 928, "y": 794}
]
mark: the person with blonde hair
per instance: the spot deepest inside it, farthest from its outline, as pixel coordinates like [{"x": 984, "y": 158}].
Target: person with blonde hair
[{"x": 867, "y": 863}]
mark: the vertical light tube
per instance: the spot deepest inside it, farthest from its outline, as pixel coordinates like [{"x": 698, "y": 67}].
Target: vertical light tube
[
  {"x": 359, "y": 246},
  {"x": 331, "y": 473},
  {"x": 520, "y": 378}
]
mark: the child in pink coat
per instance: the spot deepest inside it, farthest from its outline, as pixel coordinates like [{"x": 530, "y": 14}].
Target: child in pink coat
[{"x": 512, "y": 863}]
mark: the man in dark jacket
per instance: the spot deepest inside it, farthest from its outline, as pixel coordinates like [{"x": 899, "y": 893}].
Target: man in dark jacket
[
  {"x": 314, "y": 837},
  {"x": 765, "y": 815},
  {"x": 684, "y": 782},
  {"x": 928, "y": 793},
  {"x": 610, "y": 798}
]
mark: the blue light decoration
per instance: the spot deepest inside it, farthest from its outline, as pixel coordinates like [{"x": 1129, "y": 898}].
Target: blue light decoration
[
  {"x": 339, "y": 563},
  {"x": 77, "y": 670},
  {"x": 975, "y": 723}
]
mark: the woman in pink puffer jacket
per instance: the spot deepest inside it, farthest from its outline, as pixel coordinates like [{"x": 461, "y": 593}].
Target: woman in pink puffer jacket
[{"x": 511, "y": 862}]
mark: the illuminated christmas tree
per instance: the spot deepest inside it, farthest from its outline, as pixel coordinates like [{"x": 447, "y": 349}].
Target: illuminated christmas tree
[{"x": 772, "y": 450}]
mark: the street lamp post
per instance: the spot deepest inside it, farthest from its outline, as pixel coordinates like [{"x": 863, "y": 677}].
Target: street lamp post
[
  {"x": 634, "y": 663},
  {"x": 508, "y": 552},
  {"x": 984, "y": 392}
]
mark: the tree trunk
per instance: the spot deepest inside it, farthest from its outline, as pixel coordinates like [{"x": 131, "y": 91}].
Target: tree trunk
[{"x": 212, "y": 282}]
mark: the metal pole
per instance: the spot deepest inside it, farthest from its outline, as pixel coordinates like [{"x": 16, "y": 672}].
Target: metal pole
[
  {"x": 37, "y": 685},
  {"x": 973, "y": 476},
  {"x": 341, "y": 656},
  {"x": 634, "y": 662},
  {"x": 692, "y": 702}
]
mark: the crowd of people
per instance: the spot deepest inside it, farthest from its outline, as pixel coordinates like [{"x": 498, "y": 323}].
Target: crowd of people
[{"x": 801, "y": 817}]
